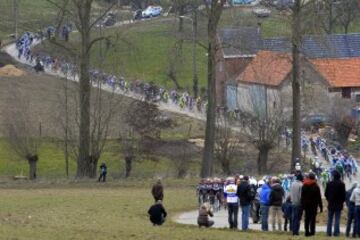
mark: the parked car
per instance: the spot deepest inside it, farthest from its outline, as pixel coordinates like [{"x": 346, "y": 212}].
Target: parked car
[
  {"x": 261, "y": 12},
  {"x": 152, "y": 11},
  {"x": 107, "y": 21},
  {"x": 137, "y": 14}
]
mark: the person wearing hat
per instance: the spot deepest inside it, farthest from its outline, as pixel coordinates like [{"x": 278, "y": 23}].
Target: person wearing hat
[
  {"x": 335, "y": 194},
  {"x": 230, "y": 194}
]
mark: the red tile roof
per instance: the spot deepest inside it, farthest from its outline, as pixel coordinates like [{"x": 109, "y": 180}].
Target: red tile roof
[
  {"x": 267, "y": 68},
  {"x": 339, "y": 72}
]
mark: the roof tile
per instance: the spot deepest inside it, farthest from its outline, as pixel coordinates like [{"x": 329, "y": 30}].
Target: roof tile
[
  {"x": 339, "y": 72},
  {"x": 267, "y": 68}
]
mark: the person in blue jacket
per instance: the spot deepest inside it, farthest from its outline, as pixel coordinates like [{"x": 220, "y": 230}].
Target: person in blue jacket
[
  {"x": 103, "y": 172},
  {"x": 265, "y": 205}
]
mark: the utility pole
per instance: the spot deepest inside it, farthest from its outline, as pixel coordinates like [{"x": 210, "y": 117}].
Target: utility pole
[{"x": 195, "y": 74}]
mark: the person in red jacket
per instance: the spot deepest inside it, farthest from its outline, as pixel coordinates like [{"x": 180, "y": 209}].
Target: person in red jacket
[{"x": 310, "y": 201}]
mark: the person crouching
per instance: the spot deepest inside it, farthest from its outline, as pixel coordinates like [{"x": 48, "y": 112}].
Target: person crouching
[
  {"x": 157, "y": 213},
  {"x": 204, "y": 213}
]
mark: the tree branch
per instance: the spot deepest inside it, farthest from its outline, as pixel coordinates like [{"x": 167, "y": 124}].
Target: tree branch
[{"x": 103, "y": 15}]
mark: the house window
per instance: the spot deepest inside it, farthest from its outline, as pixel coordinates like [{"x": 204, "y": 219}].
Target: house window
[
  {"x": 357, "y": 98},
  {"x": 346, "y": 92}
]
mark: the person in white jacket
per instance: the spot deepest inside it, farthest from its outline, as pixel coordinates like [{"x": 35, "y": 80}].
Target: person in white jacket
[
  {"x": 232, "y": 201},
  {"x": 355, "y": 197}
]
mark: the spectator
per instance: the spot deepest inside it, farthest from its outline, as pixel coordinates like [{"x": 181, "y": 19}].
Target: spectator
[
  {"x": 157, "y": 213},
  {"x": 244, "y": 192},
  {"x": 355, "y": 198},
  {"x": 230, "y": 194},
  {"x": 295, "y": 195},
  {"x": 335, "y": 195},
  {"x": 351, "y": 212},
  {"x": 311, "y": 201},
  {"x": 286, "y": 208},
  {"x": 158, "y": 191},
  {"x": 204, "y": 213},
  {"x": 103, "y": 172},
  {"x": 276, "y": 199},
  {"x": 255, "y": 208},
  {"x": 265, "y": 205}
]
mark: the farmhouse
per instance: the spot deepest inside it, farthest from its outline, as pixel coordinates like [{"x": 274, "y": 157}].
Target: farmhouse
[{"x": 259, "y": 70}]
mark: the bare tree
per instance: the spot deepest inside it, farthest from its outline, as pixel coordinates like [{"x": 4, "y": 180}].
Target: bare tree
[
  {"x": 23, "y": 131},
  {"x": 129, "y": 149},
  {"x": 328, "y": 15},
  {"x": 226, "y": 142},
  {"x": 260, "y": 121},
  {"x": 104, "y": 107},
  {"x": 303, "y": 16},
  {"x": 348, "y": 12},
  {"x": 175, "y": 63},
  {"x": 214, "y": 10},
  {"x": 80, "y": 12}
]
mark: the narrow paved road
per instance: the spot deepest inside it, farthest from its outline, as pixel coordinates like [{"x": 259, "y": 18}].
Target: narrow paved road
[{"x": 220, "y": 219}]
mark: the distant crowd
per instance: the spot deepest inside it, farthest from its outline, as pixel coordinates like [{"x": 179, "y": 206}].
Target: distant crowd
[
  {"x": 286, "y": 198},
  {"x": 272, "y": 198},
  {"x": 148, "y": 91}
]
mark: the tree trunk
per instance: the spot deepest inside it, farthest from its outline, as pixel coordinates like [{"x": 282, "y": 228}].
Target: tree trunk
[
  {"x": 225, "y": 165},
  {"x": 128, "y": 166},
  {"x": 262, "y": 160},
  {"x": 343, "y": 131},
  {"x": 296, "y": 91},
  {"x": 208, "y": 155},
  {"x": 195, "y": 75},
  {"x": 32, "y": 160},
  {"x": 330, "y": 31},
  {"x": 93, "y": 166},
  {"x": 84, "y": 162}
]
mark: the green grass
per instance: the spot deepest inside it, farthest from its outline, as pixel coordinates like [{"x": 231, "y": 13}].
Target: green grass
[
  {"x": 51, "y": 164},
  {"x": 144, "y": 52},
  {"x": 32, "y": 16},
  {"x": 274, "y": 26},
  {"x": 84, "y": 211}
]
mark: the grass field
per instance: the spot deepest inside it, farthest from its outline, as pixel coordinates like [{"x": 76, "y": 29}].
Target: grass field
[
  {"x": 32, "y": 16},
  {"x": 51, "y": 163},
  {"x": 104, "y": 211}
]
